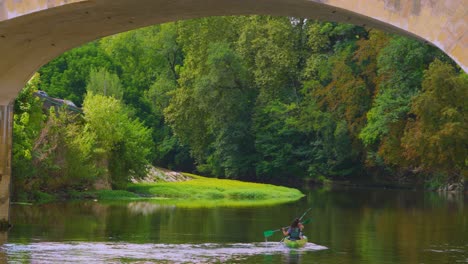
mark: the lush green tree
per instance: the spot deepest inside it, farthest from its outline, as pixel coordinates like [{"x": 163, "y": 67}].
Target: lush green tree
[
  {"x": 347, "y": 95},
  {"x": 62, "y": 158},
  {"x": 195, "y": 36},
  {"x": 150, "y": 61},
  {"x": 143, "y": 56},
  {"x": 246, "y": 96},
  {"x": 169, "y": 152},
  {"x": 66, "y": 76},
  {"x": 212, "y": 115},
  {"x": 333, "y": 91},
  {"x": 328, "y": 152},
  {"x": 273, "y": 50},
  {"x": 103, "y": 82},
  {"x": 267, "y": 45},
  {"x": 366, "y": 56},
  {"x": 28, "y": 120},
  {"x": 436, "y": 137},
  {"x": 122, "y": 144},
  {"x": 47, "y": 155},
  {"x": 158, "y": 95},
  {"x": 277, "y": 143},
  {"x": 401, "y": 66}
]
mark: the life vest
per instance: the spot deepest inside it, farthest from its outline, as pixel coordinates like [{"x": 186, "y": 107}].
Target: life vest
[{"x": 295, "y": 233}]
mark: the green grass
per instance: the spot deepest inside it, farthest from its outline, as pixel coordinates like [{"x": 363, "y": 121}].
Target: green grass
[
  {"x": 202, "y": 188},
  {"x": 199, "y": 192}
]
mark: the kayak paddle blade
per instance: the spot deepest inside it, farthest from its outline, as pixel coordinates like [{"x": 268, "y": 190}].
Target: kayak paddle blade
[{"x": 268, "y": 233}]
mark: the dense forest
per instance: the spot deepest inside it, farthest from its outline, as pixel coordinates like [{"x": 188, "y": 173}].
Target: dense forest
[{"x": 259, "y": 98}]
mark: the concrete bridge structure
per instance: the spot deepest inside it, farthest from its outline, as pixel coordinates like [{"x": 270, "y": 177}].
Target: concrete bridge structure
[{"x": 33, "y": 32}]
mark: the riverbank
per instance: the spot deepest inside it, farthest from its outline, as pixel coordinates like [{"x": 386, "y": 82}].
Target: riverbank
[
  {"x": 211, "y": 188},
  {"x": 192, "y": 190},
  {"x": 385, "y": 180}
]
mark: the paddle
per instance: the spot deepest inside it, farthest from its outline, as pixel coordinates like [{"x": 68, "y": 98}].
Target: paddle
[
  {"x": 305, "y": 213},
  {"x": 269, "y": 233}
]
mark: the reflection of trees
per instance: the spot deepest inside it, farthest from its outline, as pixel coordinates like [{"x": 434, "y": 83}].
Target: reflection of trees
[
  {"x": 78, "y": 221},
  {"x": 146, "y": 208},
  {"x": 392, "y": 225},
  {"x": 292, "y": 257},
  {"x": 3, "y": 240},
  {"x": 371, "y": 226}
]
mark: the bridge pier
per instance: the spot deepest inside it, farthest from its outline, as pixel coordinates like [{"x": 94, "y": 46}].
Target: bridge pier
[{"x": 6, "y": 134}]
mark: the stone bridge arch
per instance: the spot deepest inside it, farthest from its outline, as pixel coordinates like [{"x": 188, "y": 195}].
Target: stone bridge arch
[{"x": 33, "y": 32}]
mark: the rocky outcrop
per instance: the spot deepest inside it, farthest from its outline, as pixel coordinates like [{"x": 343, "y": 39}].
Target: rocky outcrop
[
  {"x": 453, "y": 187},
  {"x": 156, "y": 174}
]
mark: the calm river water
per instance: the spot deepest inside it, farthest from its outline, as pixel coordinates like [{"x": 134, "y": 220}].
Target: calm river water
[{"x": 347, "y": 226}]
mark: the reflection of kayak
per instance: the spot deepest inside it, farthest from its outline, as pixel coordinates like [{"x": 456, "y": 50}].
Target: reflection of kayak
[{"x": 295, "y": 243}]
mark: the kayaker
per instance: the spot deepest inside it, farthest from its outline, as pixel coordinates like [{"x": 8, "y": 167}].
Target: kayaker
[{"x": 295, "y": 230}]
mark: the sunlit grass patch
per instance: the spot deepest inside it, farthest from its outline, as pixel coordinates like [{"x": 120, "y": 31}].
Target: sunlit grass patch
[
  {"x": 203, "y": 188},
  {"x": 198, "y": 192}
]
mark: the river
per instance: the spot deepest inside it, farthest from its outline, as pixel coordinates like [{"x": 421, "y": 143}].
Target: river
[{"x": 346, "y": 226}]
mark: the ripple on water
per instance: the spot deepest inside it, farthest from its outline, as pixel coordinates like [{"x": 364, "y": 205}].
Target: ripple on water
[
  {"x": 453, "y": 254},
  {"x": 82, "y": 252}
]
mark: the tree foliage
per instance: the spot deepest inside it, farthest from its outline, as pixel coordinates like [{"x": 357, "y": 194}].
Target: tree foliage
[
  {"x": 437, "y": 137},
  {"x": 105, "y": 83},
  {"x": 252, "y": 97},
  {"x": 66, "y": 76},
  {"x": 121, "y": 141},
  {"x": 27, "y": 123}
]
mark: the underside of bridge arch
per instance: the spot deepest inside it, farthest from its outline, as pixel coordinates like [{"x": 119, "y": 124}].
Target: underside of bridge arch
[{"x": 33, "y": 32}]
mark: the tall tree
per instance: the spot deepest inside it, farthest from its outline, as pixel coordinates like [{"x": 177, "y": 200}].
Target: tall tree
[
  {"x": 27, "y": 123},
  {"x": 123, "y": 144},
  {"x": 212, "y": 115},
  {"x": 267, "y": 45},
  {"x": 401, "y": 66},
  {"x": 437, "y": 137}
]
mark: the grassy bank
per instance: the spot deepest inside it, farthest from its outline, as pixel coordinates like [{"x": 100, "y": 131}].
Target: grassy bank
[
  {"x": 213, "y": 189},
  {"x": 200, "y": 191}
]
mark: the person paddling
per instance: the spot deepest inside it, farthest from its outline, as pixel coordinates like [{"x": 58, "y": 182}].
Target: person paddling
[{"x": 294, "y": 231}]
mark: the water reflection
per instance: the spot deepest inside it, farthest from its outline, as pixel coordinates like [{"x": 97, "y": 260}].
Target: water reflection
[
  {"x": 292, "y": 257},
  {"x": 3, "y": 240},
  {"x": 45, "y": 252},
  {"x": 147, "y": 208},
  {"x": 356, "y": 225}
]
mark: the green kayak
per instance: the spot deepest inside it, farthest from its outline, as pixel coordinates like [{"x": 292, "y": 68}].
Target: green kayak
[{"x": 295, "y": 243}]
